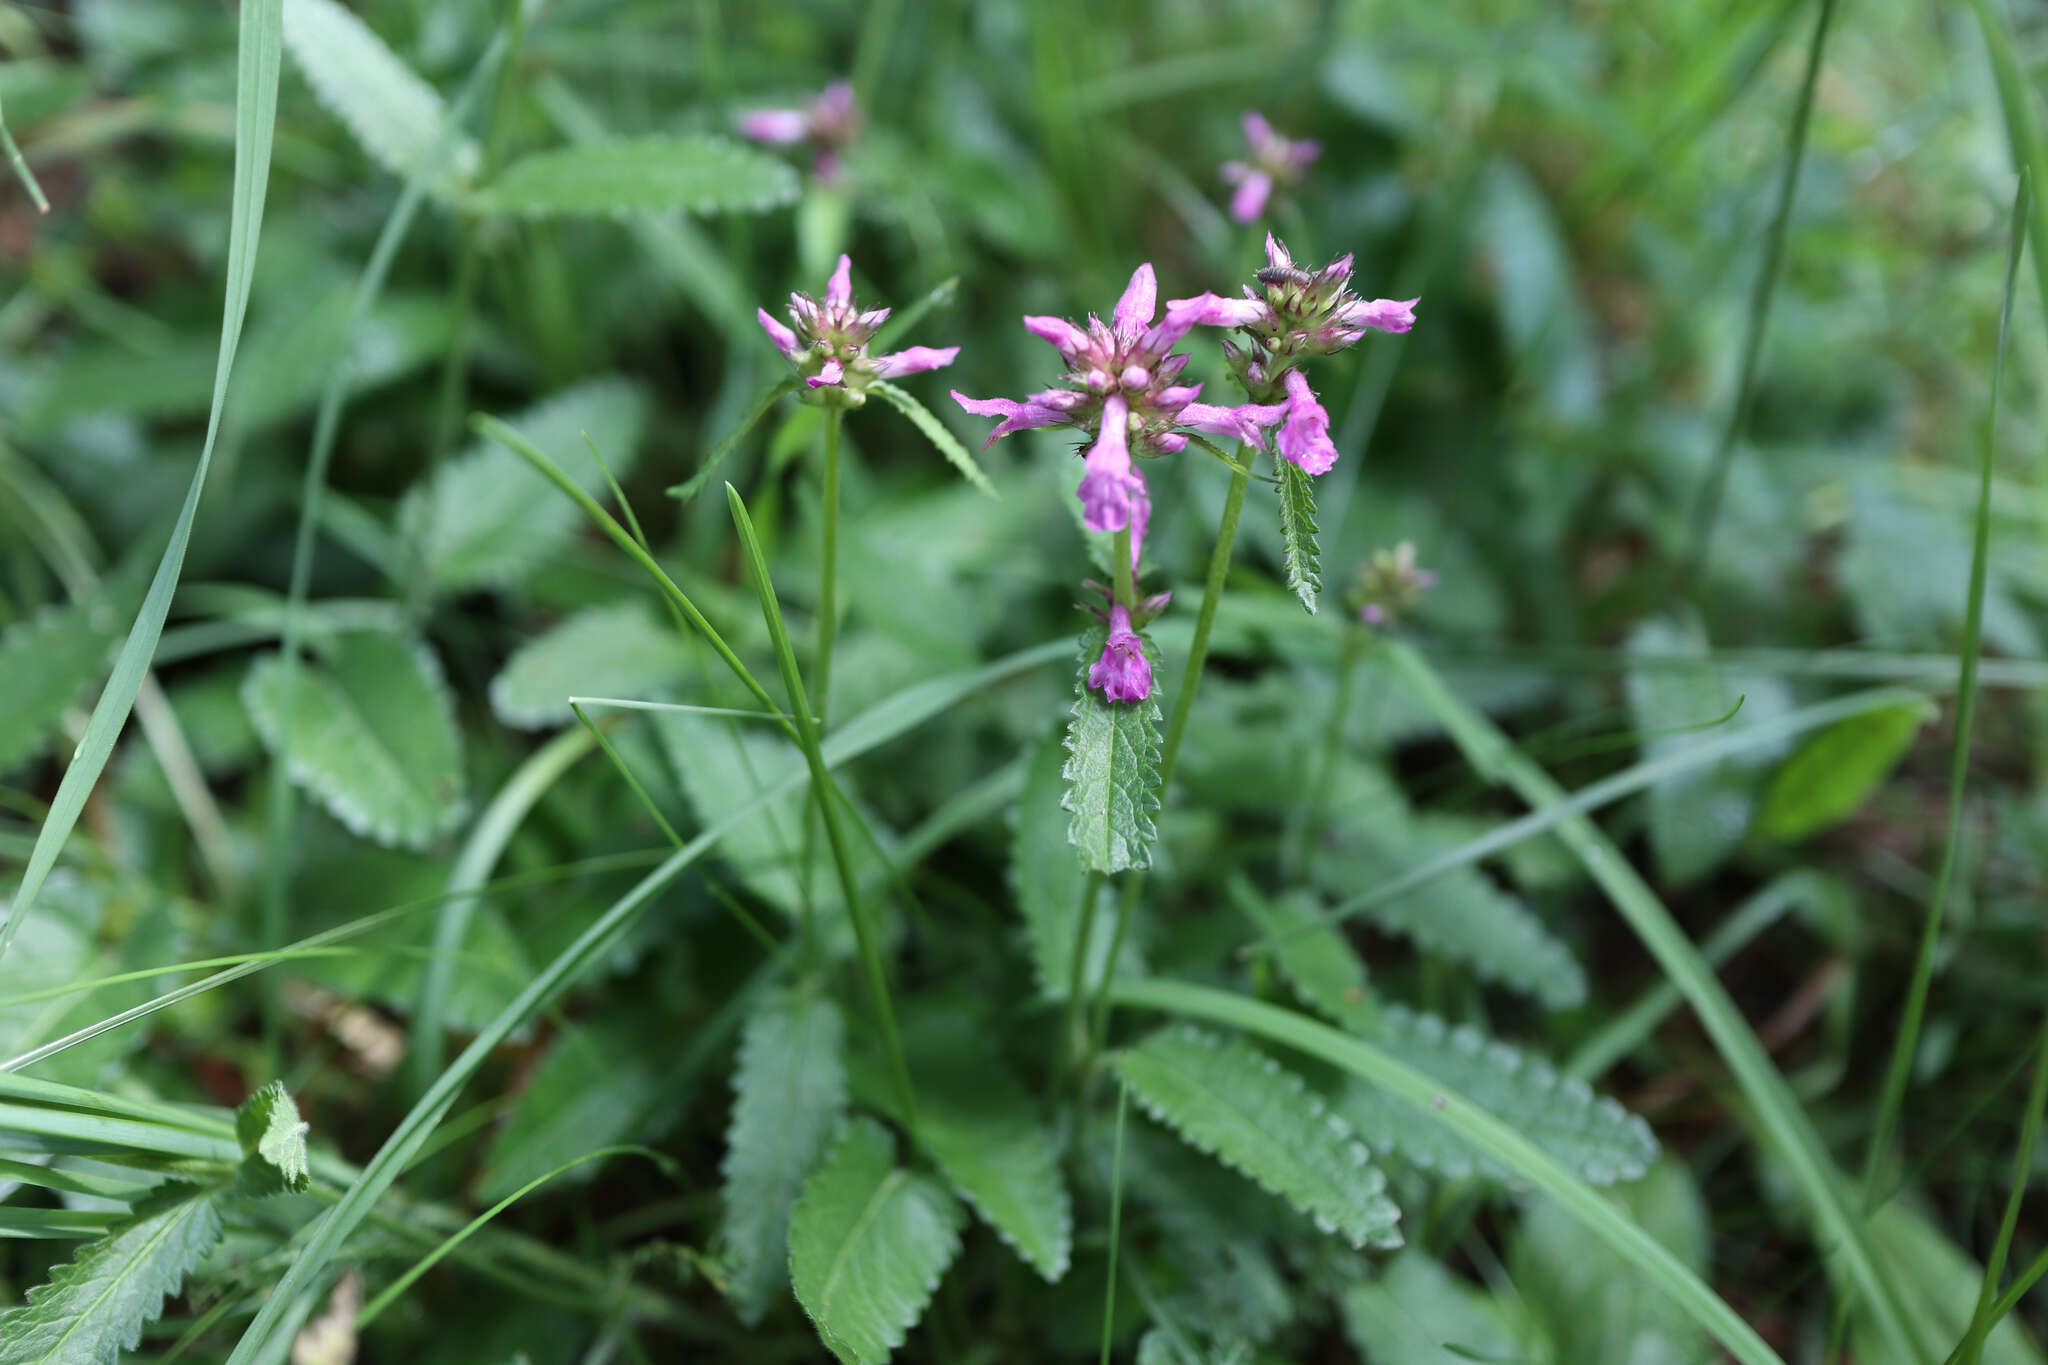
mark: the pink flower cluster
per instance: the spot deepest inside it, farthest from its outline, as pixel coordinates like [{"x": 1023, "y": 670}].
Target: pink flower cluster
[
  {"x": 1122, "y": 390},
  {"x": 1275, "y": 160},
  {"x": 828, "y": 123},
  {"x": 829, "y": 345}
]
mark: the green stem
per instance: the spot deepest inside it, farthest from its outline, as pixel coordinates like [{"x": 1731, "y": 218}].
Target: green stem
[
  {"x": 1124, "y": 571},
  {"x": 826, "y": 793},
  {"x": 1325, "y": 759},
  {"x": 1077, "y": 976},
  {"x": 1183, "y": 704},
  {"x": 828, "y": 565},
  {"x": 1899, "y": 1072},
  {"x": 1116, "y": 1215},
  {"x": 1971, "y": 1349}
]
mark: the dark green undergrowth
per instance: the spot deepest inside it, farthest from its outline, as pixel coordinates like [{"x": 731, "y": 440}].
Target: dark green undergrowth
[{"x": 531, "y": 832}]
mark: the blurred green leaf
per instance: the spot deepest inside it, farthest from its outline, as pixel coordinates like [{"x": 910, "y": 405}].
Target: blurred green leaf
[
  {"x": 1415, "y": 1312},
  {"x": 1050, "y": 881},
  {"x": 1831, "y": 775},
  {"x": 373, "y": 735},
  {"x": 620, "y": 650},
  {"x": 390, "y": 111},
  {"x": 640, "y": 175},
  {"x": 273, "y": 1139},
  {"x": 943, "y": 441}
]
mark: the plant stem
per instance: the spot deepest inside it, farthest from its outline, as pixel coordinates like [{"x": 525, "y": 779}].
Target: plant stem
[
  {"x": 1183, "y": 704},
  {"x": 1971, "y": 1350},
  {"x": 1123, "y": 570},
  {"x": 1325, "y": 759},
  {"x": 1077, "y": 977},
  {"x": 828, "y": 566},
  {"x": 1116, "y": 1211}
]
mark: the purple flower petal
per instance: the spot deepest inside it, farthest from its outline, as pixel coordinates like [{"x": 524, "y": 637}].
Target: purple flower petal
[
  {"x": 914, "y": 360},
  {"x": 1388, "y": 315},
  {"x": 1065, "y": 337},
  {"x": 1250, "y": 199},
  {"x": 784, "y": 339},
  {"x": 779, "y": 126},
  {"x": 1212, "y": 310},
  {"x": 872, "y": 319},
  {"x": 1177, "y": 397},
  {"x": 1277, "y": 254},
  {"x": 1123, "y": 673},
  {"x": 1305, "y": 437},
  {"x": 1257, "y": 131},
  {"x": 1108, "y": 485},
  {"x": 1300, "y": 153},
  {"x": 1242, "y": 423},
  {"x": 1134, "y": 310},
  {"x": 1141, "y": 517},
  {"x": 1016, "y": 416},
  {"x": 839, "y": 289},
  {"x": 831, "y": 376}
]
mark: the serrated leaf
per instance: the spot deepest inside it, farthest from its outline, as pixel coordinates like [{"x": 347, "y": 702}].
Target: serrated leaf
[
  {"x": 1461, "y": 915},
  {"x": 491, "y": 518},
  {"x": 1300, "y": 554},
  {"x": 45, "y": 662},
  {"x": 1417, "y": 1313},
  {"x": 935, "y": 431},
  {"x": 1589, "y": 1134},
  {"x": 95, "y": 1305},
  {"x": 1050, "y": 882},
  {"x": 1226, "y": 1098},
  {"x": 1214, "y": 1235},
  {"x": 1112, "y": 772},
  {"x": 641, "y": 175},
  {"x": 1833, "y": 773},
  {"x": 982, "y": 1130},
  {"x": 621, "y": 650},
  {"x": 273, "y": 1139},
  {"x": 373, "y": 735},
  {"x": 1313, "y": 954},
  {"x": 1159, "y": 1347},
  {"x": 396, "y": 116},
  {"x": 867, "y": 1245},
  {"x": 789, "y": 1091}
]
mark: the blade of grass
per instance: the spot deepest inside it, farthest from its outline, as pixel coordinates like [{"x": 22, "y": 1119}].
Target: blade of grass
[
  {"x": 2022, "y": 128},
  {"x": 825, "y": 794},
  {"x": 1707, "y": 508},
  {"x": 1116, "y": 1218},
  {"x": 1906, "y": 1043},
  {"x": 1777, "y": 1110},
  {"x": 21, "y": 170},
  {"x": 258, "y": 52},
  {"x": 1498, "y": 1140},
  {"x": 1971, "y": 1349}
]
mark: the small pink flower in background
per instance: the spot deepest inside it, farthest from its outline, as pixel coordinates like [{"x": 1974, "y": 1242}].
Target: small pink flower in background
[
  {"x": 1123, "y": 673},
  {"x": 1389, "y": 585},
  {"x": 1275, "y": 160},
  {"x": 830, "y": 123},
  {"x": 1305, "y": 436},
  {"x": 829, "y": 344}
]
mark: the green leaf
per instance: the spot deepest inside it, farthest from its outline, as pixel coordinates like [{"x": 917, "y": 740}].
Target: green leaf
[
  {"x": 620, "y": 650},
  {"x": 273, "y": 1139},
  {"x": 1300, "y": 554},
  {"x": 94, "y": 1306},
  {"x": 595, "y": 1088},
  {"x": 388, "y": 109},
  {"x": 1050, "y": 882},
  {"x": 489, "y": 519},
  {"x": 1941, "y": 1282},
  {"x": 641, "y": 175},
  {"x": 1696, "y": 819},
  {"x": 935, "y": 431},
  {"x": 1581, "y": 1290},
  {"x": 1461, "y": 915},
  {"x": 1112, "y": 772},
  {"x": 789, "y": 1092},
  {"x": 1213, "y": 1237},
  {"x": 867, "y": 1245},
  {"x": 1232, "y": 1101},
  {"x": 44, "y": 662},
  {"x": 1836, "y": 771},
  {"x": 1418, "y": 1313},
  {"x": 982, "y": 1130},
  {"x": 1158, "y": 1347},
  {"x": 1588, "y": 1134},
  {"x": 1313, "y": 954},
  {"x": 373, "y": 735}
]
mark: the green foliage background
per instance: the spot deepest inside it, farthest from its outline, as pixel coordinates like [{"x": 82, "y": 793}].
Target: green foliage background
[{"x": 555, "y": 1040}]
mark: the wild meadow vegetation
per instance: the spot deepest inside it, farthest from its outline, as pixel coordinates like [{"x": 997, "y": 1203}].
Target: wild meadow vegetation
[{"x": 1461, "y": 784}]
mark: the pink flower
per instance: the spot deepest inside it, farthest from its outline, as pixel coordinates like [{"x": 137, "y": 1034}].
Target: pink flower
[
  {"x": 830, "y": 123},
  {"x": 829, "y": 344},
  {"x": 1123, "y": 673},
  {"x": 1388, "y": 315},
  {"x": 1109, "y": 486},
  {"x": 1275, "y": 160},
  {"x": 1305, "y": 436}
]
